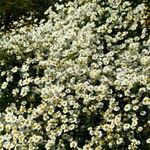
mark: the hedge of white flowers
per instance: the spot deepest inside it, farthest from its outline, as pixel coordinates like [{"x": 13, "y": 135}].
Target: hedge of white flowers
[{"x": 79, "y": 81}]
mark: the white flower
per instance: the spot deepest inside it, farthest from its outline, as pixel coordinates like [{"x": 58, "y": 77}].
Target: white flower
[
  {"x": 14, "y": 70},
  {"x": 73, "y": 144},
  {"x": 126, "y": 126},
  {"x": 146, "y": 101},
  {"x": 145, "y": 60},
  {"x": 27, "y": 81},
  {"x": 148, "y": 141},
  {"x": 119, "y": 141},
  {"x": 142, "y": 113},
  {"x": 134, "y": 123},
  {"x": 100, "y": 134},
  {"x": 140, "y": 129},
  {"x": 24, "y": 68},
  {"x": 136, "y": 107},
  {"x": 49, "y": 144},
  {"x": 4, "y": 85},
  {"x": 15, "y": 91},
  {"x": 127, "y": 107},
  {"x": 36, "y": 138},
  {"x": 9, "y": 79},
  {"x": 24, "y": 91},
  {"x": 3, "y": 73}
]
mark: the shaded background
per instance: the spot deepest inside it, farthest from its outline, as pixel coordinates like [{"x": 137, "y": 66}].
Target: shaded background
[{"x": 12, "y": 10}]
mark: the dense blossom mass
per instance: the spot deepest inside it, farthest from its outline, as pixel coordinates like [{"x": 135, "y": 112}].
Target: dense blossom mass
[{"x": 79, "y": 81}]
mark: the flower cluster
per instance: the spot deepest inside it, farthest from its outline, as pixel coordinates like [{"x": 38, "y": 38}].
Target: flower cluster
[{"x": 79, "y": 81}]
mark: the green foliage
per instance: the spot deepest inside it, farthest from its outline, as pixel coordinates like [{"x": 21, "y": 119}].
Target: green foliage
[{"x": 13, "y": 10}]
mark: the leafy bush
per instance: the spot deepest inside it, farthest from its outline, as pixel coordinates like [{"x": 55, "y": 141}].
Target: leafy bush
[{"x": 81, "y": 80}]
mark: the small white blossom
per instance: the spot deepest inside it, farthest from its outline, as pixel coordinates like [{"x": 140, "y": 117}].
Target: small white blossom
[
  {"x": 127, "y": 107},
  {"x": 73, "y": 144},
  {"x": 126, "y": 126},
  {"x": 4, "y": 85},
  {"x": 14, "y": 70},
  {"x": 24, "y": 68},
  {"x": 24, "y": 91},
  {"x": 148, "y": 141}
]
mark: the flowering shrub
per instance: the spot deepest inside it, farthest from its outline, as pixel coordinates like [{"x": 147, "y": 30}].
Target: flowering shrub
[{"x": 80, "y": 81}]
